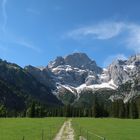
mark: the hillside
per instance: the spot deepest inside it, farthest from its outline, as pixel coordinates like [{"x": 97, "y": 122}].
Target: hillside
[{"x": 18, "y": 88}]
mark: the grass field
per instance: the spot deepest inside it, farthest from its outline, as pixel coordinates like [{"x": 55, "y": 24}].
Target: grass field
[
  {"x": 111, "y": 129},
  {"x": 31, "y": 129}
]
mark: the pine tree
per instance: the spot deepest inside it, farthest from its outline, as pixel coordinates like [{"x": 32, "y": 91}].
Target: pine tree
[
  {"x": 126, "y": 106},
  {"x": 31, "y": 111},
  {"x": 133, "y": 110},
  {"x": 95, "y": 108},
  {"x": 121, "y": 109},
  {"x": 2, "y": 111},
  {"x": 115, "y": 109}
]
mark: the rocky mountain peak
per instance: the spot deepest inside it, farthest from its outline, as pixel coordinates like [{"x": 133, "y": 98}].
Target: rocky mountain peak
[
  {"x": 57, "y": 62},
  {"x": 76, "y": 60},
  {"x": 123, "y": 70},
  {"x": 135, "y": 60}
]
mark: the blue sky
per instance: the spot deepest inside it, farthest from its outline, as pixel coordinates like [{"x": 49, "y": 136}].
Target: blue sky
[{"x": 36, "y": 31}]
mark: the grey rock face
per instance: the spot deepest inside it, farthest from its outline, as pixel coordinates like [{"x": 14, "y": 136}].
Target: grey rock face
[
  {"x": 91, "y": 80},
  {"x": 82, "y": 61},
  {"x": 74, "y": 69},
  {"x": 117, "y": 73},
  {"x": 58, "y": 61},
  {"x": 134, "y": 60},
  {"x": 43, "y": 76},
  {"x": 122, "y": 71},
  {"x": 76, "y": 60}
]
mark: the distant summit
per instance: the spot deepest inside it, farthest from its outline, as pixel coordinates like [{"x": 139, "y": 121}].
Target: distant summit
[{"x": 76, "y": 60}]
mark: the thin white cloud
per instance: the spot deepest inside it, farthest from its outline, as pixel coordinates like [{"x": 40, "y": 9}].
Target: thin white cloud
[
  {"x": 133, "y": 39},
  {"x": 111, "y": 58},
  {"x": 100, "y": 31},
  {"x": 21, "y": 41},
  {"x": 10, "y": 38},
  {"x": 4, "y": 13},
  {"x": 109, "y": 30},
  {"x": 33, "y": 11},
  {"x": 27, "y": 44}
]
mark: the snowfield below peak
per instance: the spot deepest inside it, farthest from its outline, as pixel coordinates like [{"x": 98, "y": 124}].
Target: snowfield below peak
[
  {"x": 79, "y": 89},
  {"x": 109, "y": 85}
]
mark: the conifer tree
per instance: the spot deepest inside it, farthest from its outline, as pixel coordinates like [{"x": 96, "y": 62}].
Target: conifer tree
[{"x": 133, "y": 110}]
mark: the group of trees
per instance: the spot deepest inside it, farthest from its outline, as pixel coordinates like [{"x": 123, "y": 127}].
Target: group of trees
[
  {"x": 115, "y": 109},
  {"x": 127, "y": 110}
]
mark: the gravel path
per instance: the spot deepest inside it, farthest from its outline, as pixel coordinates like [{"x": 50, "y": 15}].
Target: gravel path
[{"x": 66, "y": 132}]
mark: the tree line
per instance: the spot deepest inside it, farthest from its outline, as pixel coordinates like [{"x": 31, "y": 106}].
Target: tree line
[{"x": 116, "y": 109}]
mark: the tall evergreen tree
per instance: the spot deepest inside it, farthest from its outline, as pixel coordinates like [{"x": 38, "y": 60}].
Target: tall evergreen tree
[
  {"x": 31, "y": 112},
  {"x": 121, "y": 109},
  {"x": 133, "y": 110},
  {"x": 115, "y": 109},
  {"x": 96, "y": 108},
  {"x": 2, "y": 111}
]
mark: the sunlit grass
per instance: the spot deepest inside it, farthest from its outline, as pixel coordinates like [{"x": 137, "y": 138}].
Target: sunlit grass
[
  {"x": 111, "y": 129},
  {"x": 30, "y": 129}
]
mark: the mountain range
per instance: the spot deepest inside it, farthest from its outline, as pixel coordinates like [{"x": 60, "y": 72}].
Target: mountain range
[
  {"x": 72, "y": 76},
  {"x": 73, "y": 79}
]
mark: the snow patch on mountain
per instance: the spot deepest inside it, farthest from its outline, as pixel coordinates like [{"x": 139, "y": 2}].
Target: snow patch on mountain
[
  {"x": 109, "y": 85},
  {"x": 128, "y": 67}
]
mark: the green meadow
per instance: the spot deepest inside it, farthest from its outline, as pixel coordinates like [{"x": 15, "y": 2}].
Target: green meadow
[
  {"x": 110, "y": 129},
  {"x": 90, "y": 128},
  {"x": 29, "y": 129}
]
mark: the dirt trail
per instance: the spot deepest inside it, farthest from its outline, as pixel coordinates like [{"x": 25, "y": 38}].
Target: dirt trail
[
  {"x": 82, "y": 138},
  {"x": 66, "y": 132}
]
